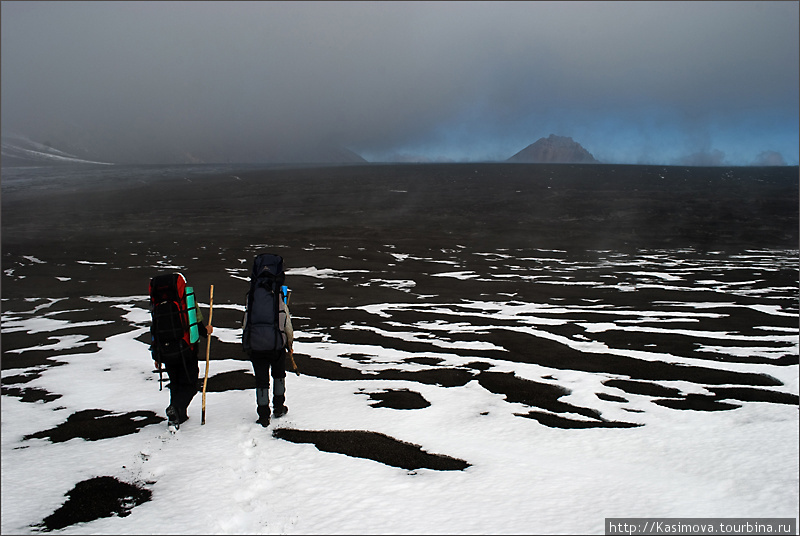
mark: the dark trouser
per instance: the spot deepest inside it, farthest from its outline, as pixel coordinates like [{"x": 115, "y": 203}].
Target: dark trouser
[
  {"x": 183, "y": 376},
  {"x": 266, "y": 364}
]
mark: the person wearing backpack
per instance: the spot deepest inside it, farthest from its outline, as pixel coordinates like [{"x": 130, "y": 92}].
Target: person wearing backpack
[
  {"x": 176, "y": 328},
  {"x": 267, "y": 333}
]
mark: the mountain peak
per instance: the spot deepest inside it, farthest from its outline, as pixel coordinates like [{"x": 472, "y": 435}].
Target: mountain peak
[{"x": 554, "y": 149}]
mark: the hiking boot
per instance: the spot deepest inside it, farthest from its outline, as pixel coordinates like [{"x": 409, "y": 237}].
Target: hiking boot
[
  {"x": 263, "y": 415},
  {"x": 280, "y": 408},
  {"x": 173, "y": 420}
]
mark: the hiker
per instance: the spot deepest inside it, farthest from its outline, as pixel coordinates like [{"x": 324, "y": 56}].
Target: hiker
[
  {"x": 175, "y": 332},
  {"x": 267, "y": 333}
]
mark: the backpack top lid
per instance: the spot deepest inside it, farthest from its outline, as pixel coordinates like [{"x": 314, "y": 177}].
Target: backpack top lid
[
  {"x": 167, "y": 286},
  {"x": 269, "y": 265}
]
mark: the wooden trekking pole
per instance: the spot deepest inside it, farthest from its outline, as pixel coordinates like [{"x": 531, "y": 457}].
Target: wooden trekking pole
[
  {"x": 291, "y": 350},
  {"x": 208, "y": 352}
]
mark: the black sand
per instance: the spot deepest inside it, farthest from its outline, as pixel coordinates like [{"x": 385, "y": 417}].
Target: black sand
[
  {"x": 105, "y": 233},
  {"x": 351, "y": 217}
]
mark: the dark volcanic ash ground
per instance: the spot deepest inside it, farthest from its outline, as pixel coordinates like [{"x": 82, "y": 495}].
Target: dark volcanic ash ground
[{"x": 660, "y": 287}]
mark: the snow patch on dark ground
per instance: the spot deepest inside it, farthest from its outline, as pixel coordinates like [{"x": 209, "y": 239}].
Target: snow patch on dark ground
[{"x": 568, "y": 384}]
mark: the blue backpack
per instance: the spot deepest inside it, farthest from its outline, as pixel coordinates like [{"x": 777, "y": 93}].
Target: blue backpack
[{"x": 262, "y": 329}]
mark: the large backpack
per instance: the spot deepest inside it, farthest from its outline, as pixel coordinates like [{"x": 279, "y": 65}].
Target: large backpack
[
  {"x": 265, "y": 316},
  {"x": 174, "y": 328}
]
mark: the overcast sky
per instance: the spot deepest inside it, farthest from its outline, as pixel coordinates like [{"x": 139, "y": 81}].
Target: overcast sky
[{"x": 633, "y": 82}]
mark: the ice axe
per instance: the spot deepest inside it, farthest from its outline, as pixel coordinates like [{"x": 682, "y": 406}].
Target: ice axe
[
  {"x": 160, "y": 370},
  {"x": 208, "y": 351}
]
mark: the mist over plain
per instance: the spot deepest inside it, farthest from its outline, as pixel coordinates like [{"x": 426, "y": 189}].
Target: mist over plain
[{"x": 633, "y": 82}]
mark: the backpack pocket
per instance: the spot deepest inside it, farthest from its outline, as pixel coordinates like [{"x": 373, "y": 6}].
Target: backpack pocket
[
  {"x": 261, "y": 326},
  {"x": 168, "y": 330},
  {"x": 191, "y": 308}
]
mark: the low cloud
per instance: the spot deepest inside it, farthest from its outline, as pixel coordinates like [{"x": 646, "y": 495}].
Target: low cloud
[
  {"x": 254, "y": 81},
  {"x": 770, "y": 158},
  {"x": 715, "y": 157}
]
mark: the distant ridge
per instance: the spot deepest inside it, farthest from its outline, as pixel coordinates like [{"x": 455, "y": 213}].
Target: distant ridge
[
  {"x": 321, "y": 154},
  {"x": 554, "y": 150},
  {"x": 21, "y": 150}
]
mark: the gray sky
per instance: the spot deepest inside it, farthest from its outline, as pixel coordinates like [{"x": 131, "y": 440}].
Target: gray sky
[{"x": 632, "y": 82}]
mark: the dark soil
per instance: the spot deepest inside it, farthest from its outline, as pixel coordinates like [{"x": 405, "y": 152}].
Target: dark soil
[
  {"x": 96, "y": 424},
  {"x": 101, "y": 496},
  {"x": 372, "y": 446},
  {"x": 398, "y": 399},
  {"x": 106, "y": 233}
]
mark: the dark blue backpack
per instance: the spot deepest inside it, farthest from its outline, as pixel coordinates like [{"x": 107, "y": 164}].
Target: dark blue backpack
[{"x": 261, "y": 326}]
